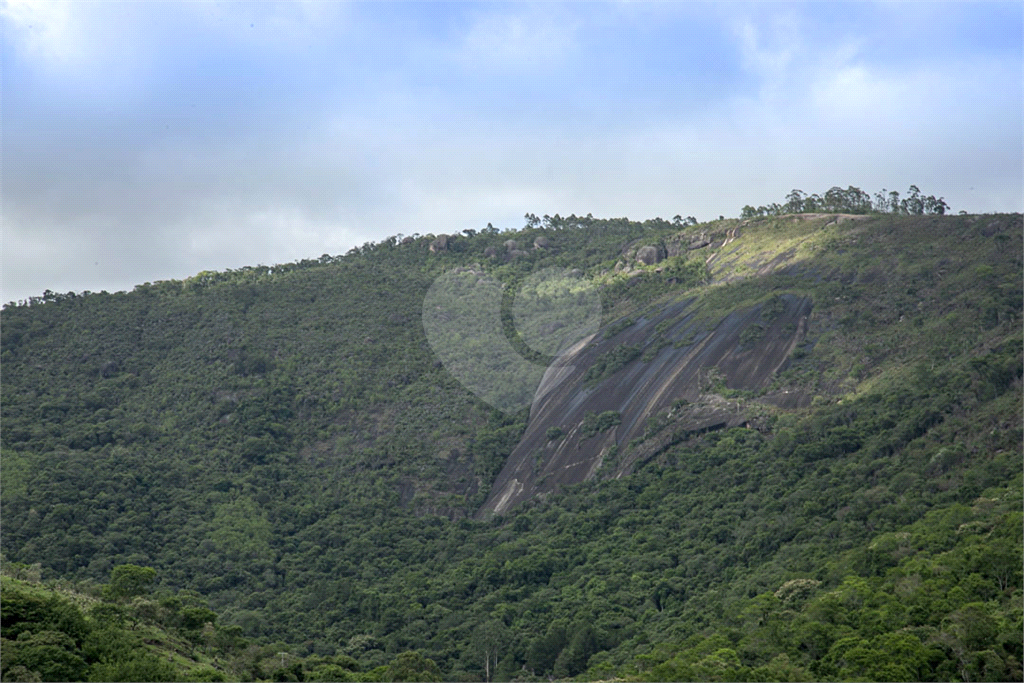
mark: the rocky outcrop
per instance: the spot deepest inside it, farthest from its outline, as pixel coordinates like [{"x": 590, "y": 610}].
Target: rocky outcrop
[
  {"x": 676, "y": 372},
  {"x": 439, "y": 244},
  {"x": 650, "y": 254},
  {"x": 847, "y": 218}
]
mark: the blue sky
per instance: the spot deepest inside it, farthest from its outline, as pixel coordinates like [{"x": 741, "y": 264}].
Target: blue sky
[{"x": 146, "y": 141}]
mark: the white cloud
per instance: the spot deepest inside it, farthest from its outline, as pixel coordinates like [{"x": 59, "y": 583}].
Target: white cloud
[
  {"x": 274, "y": 26},
  {"x": 44, "y": 29},
  {"x": 183, "y": 178},
  {"x": 771, "y": 50},
  {"x": 527, "y": 36}
]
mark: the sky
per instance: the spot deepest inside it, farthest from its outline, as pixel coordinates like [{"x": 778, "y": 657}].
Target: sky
[{"x": 148, "y": 141}]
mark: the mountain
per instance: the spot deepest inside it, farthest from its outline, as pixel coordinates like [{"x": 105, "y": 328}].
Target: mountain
[{"x": 785, "y": 447}]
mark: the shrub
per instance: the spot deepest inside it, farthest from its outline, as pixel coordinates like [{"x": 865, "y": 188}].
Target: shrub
[{"x": 594, "y": 423}]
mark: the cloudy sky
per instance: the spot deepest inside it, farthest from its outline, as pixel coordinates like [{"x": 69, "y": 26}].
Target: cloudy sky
[{"x": 145, "y": 141}]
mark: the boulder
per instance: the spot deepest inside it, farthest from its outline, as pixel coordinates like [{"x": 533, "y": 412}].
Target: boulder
[
  {"x": 490, "y": 252},
  {"x": 649, "y": 255},
  {"x": 511, "y": 245},
  {"x": 541, "y": 242},
  {"x": 439, "y": 244}
]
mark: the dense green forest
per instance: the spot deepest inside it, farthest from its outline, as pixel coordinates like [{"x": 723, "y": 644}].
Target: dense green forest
[{"x": 268, "y": 473}]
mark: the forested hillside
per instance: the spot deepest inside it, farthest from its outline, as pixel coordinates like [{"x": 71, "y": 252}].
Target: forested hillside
[{"x": 286, "y": 451}]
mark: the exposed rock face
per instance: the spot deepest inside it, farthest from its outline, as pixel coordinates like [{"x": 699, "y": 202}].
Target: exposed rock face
[
  {"x": 511, "y": 245},
  {"x": 642, "y": 388},
  {"x": 490, "y": 252},
  {"x": 682, "y": 242},
  {"x": 838, "y": 219},
  {"x": 650, "y": 254},
  {"x": 541, "y": 242}
]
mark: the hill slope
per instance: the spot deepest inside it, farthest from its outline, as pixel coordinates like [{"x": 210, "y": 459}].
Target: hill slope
[
  {"x": 865, "y": 277},
  {"x": 797, "y": 398}
]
